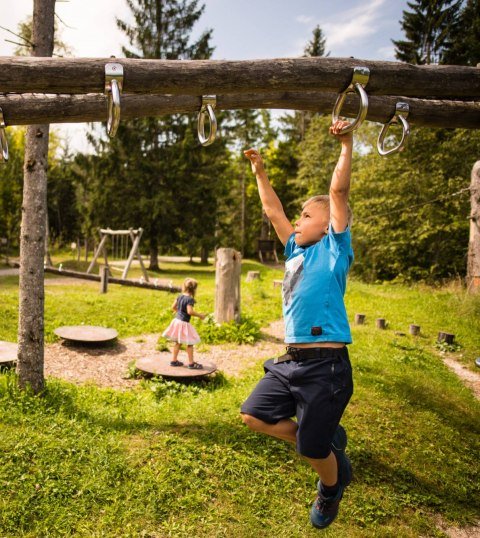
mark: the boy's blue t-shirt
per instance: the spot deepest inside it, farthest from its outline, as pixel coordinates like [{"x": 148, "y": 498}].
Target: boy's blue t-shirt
[{"x": 313, "y": 288}]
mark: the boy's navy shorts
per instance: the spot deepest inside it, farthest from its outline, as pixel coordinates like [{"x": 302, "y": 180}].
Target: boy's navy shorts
[{"x": 315, "y": 390}]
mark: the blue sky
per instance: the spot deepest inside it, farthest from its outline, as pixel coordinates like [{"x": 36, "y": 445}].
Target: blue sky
[{"x": 242, "y": 29}]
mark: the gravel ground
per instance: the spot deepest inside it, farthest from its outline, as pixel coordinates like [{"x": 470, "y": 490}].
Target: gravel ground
[{"x": 107, "y": 366}]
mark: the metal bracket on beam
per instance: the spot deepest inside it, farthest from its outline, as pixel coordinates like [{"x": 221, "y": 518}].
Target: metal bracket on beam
[
  {"x": 359, "y": 81},
  {"x": 3, "y": 140},
  {"x": 401, "y": 113},
  {"x": 113, "y": 89},
  {"x": 208, "y": 105}
]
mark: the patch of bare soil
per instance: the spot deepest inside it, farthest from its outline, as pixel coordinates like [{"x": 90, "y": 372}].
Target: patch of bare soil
[
  {"x": 471, "y": 379},
  {"x": 471, "y": 531},
  {"x": 107, "y": 366}
]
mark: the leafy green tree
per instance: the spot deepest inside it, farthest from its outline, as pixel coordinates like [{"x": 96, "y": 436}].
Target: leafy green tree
[{"x": 428, "y": 30}]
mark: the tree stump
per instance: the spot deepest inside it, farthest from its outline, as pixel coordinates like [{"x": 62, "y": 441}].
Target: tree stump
[
  {"x": 381, "y": 323},
  {"x": 277, "y": 283},
  {"x": 359, "y": 319},
  {"x": 253, "y": 275},
  {"x": 414, "y": 329},
  {"x": 227, "y": 285},
  {"x": 445, "y": 337}
]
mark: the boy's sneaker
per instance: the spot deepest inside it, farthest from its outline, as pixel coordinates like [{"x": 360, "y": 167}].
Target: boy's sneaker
[{"x": 325, "y": 509}]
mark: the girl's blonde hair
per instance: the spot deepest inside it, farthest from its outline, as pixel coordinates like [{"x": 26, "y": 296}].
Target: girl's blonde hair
[
  {"x": 324, "y": 201},
  {"x": 190, "y": 286}
]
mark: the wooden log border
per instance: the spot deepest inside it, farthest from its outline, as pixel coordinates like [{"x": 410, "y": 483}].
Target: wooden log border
[
  {"x": 26, "y": 109},
  {"x": 202, "y": 77}
]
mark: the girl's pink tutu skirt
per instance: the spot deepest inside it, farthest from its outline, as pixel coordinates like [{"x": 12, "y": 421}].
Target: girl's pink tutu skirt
[{"x": 181, "y": 332}]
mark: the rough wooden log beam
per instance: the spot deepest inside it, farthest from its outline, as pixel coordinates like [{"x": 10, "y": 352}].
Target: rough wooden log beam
[
  {"x": 39, "y": 108},
  {"x": 200, "y": 77},
  {"x": 112, "y": 280}
]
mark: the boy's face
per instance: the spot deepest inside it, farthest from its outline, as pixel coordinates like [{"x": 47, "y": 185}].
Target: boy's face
[{"x": 312, "y": 224}]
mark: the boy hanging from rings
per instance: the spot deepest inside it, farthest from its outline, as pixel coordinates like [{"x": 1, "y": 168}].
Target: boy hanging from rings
[{"x": 313, "y": 380}]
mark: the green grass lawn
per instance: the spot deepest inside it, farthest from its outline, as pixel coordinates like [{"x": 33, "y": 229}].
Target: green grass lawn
[{"x": 84, "y": 461}]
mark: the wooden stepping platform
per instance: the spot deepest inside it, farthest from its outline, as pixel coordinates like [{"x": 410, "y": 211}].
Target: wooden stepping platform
[
  {"x": 161, "y": 366},
  {"x": 86, "y": 333},
  {"x": 8, "y": 352}
]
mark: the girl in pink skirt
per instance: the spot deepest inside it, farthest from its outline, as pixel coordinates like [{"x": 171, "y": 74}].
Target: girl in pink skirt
[{"x": 180, "y": 330}]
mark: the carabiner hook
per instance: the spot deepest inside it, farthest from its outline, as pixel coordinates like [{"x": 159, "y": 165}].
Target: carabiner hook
[
  {"x": 401, "y": 113},
  {"x": 113, "y": 89},
  {"x": 208, "y": 105},
  {"x": 3, "y": 140},
  {"x": 359, "y": 80}
]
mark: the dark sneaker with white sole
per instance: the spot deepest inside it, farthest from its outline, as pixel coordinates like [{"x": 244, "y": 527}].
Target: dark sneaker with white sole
[{"x": 325, "y": 509}]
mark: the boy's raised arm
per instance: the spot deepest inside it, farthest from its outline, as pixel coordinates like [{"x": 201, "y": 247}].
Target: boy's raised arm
[
  {"x": 340, "y": 185},
  {"x": 270, "y": 201}
]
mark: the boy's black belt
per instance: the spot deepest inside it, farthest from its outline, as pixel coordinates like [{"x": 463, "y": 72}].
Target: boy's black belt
[{"x": 307, "y": 353}]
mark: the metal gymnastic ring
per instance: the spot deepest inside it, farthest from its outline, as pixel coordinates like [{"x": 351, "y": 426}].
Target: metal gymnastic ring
[
  {"x": 207, "y": 110},
  {"x": 3, "y": 139},
  {"x": 113, "y": 89},
  {"x": 113, "y": 109},
  {"x": 359, "y": 80},
  {"x": 401, "y": 113}
]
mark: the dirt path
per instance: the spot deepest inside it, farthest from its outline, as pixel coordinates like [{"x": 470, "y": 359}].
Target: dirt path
[
  {"x": 471, "y": 379},
  {"x": 108, "y": 366}
]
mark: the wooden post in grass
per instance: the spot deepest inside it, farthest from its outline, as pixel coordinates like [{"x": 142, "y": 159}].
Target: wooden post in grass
[
  {"x": 227, "y": 285},
  {"x": 252, "y": 275},
  {"x": 414, "y": 329},
  {"x": 104, "y": 279},
  {"x": 359, "y": 319},
  {"x": 473, "y": 262},
  {"x": 33, "y": 228},
  {"x": 381, "y": 323},
  {"x": 445, "y": 337}
]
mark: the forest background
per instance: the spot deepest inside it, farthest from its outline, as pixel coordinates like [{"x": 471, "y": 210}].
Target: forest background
[{"x": 410, "y": 210}]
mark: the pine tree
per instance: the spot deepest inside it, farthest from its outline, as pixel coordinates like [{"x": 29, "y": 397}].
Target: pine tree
[
  {"x": 464, "y": 48},
  {"x": 316, "y": 47},
  {"x": 146, "y": 160},
  {"x": 428, "y": 30}
]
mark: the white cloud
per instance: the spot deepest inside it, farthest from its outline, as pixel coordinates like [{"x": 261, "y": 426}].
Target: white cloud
[
  {"x": 386, "y": 53},
  {"x": 353, "y": 24},
  {"x": 304, "y": 19}
]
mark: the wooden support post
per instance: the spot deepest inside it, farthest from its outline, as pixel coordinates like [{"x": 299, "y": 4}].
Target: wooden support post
[
  {"x": 30, "y": 364},
  {"x": 104, "y": 279},
  {"x": 99, "y": 250},
  {"x": 381, "y": 323},
  {"x": 473, "y": 262},
  {"x": 227, "y": 285}
]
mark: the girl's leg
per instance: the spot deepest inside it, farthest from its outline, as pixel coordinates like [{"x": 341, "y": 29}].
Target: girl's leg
[
  {"x": 190, "y": 354},
  {"x": 176, "y": 349},
  {"x": 286, "y": 429}
]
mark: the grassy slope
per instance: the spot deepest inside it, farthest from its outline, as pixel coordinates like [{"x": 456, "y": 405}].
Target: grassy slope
[{"x": 93, "y": 462}]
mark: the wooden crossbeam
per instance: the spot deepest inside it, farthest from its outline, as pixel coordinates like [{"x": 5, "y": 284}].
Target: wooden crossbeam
[
  {"x": 40, "y": 108},
  {"x": 200, "y": 77}
]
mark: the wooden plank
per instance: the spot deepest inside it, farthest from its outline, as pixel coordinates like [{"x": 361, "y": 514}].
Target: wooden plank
[
  {"x": 35, "y": 108},
  {"x": 111, "y": 280},
  {"x": 200, "y": 77}
]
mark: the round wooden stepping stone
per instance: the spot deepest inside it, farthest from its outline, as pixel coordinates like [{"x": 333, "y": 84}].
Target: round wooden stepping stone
[
  {"x": 161, "y": 366},
  {"x": 8, "y": 352},
  {"x": 86, "y": 333}
]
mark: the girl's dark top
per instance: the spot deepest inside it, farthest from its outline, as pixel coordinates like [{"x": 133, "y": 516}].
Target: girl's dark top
[{"x": 182, "y": 302}]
